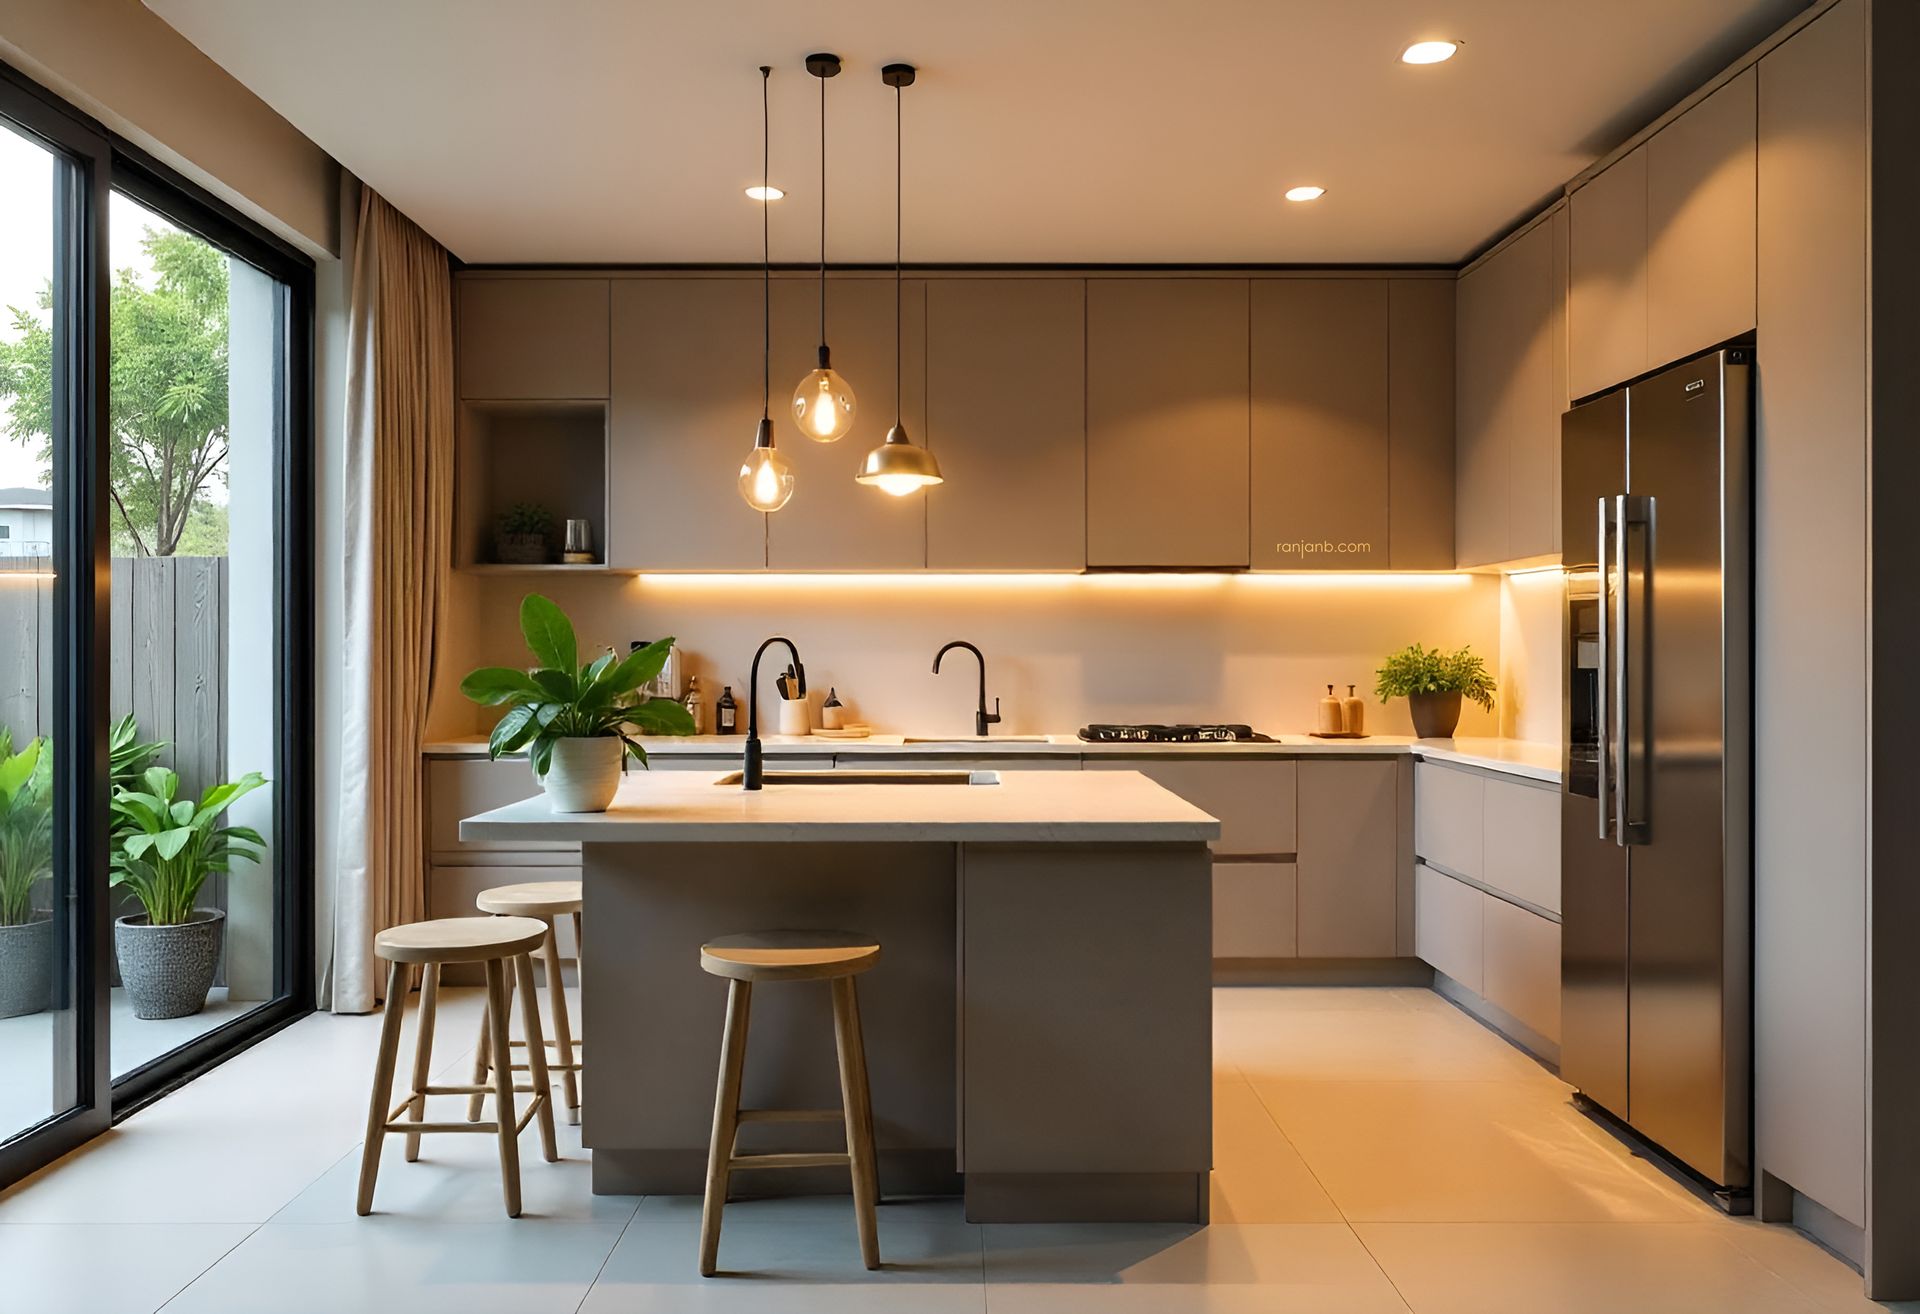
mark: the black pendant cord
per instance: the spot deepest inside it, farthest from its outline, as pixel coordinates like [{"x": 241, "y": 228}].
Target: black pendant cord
[
  {"x": 823, "y": 221},
  {"x": 766, "y": 251},
  {"x": 898, "y": 187}
]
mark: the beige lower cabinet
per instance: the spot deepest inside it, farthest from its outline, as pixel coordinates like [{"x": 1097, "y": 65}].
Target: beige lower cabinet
[
  {"x": 1447, "y": 925},
  {"x": 1253, "y": 798},
  {"x": 1520, "y": 965},
  {"x": 1253, "y": 910},
  {"x": 1348, "y": 855},
  {"x": 1520, "y": 846},
  {"x": 460, "y": 787}
]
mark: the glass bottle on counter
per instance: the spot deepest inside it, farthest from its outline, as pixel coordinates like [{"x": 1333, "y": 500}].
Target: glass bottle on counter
[
  {"x": 726, "y": 712},
  {"x": 696, "y": 704}
]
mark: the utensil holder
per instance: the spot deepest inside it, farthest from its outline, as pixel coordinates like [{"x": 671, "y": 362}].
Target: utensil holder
[{"x": 794, "y": 717}]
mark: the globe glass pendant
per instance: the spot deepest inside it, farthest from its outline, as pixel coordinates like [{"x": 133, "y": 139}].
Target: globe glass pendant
[
  {"x": 824, "y": 404},
  {"x": 766, "y": 478}
]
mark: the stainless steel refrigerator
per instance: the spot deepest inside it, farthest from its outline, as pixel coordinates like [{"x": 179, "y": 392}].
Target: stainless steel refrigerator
[{"x": 1656, "y": 499}]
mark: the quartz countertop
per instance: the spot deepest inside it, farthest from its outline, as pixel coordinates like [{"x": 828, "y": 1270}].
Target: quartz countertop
[
  {"x": 1518, "y": 757},
  {"x": 1024, "y": 807}
]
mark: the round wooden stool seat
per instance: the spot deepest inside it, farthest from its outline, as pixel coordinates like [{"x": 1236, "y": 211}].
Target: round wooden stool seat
[
  {"x": 460, "y": 940},
  {"x": 532, "y": 899},
  {"x": 789, "y": 955}
]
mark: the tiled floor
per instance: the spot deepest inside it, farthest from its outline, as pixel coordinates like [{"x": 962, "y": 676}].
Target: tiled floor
[{"x": 1374, "y": 1150}]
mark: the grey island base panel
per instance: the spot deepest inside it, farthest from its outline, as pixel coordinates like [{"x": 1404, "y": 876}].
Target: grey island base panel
[{"x": 1038, "y": 1028}]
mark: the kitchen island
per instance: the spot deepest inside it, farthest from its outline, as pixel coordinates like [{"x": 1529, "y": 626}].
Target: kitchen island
[{"x": 1038, "y": 1029}]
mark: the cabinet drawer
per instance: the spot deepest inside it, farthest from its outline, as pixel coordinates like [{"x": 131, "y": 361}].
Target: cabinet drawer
[
  {"x": 1447, "y": 811},
  {"x": 954, "y": 762},
  {"x": 1521, "y": 843},
  {"x": 1447, "y": 925},
  {"x": 1521, "y": 965},
  {"x": 1253, "y": 800},
  {"x": 1253, "y": 909},
  {"x": 460, "y": 788}
]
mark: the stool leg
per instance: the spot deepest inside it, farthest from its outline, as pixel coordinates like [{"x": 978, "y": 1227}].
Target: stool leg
[
  {"x": 853, "y": 1100},
  {"x": 383, "y": 1066},
  {"x": 537, "y": 1054},
  {"x": 482, "y": 1058},
  {"x": 423, "y": 1054},
  {"x": 726, "y": 1120},
  {"x": 866, "y": 1087},
  {"x": 580, "y": 976},
  {"x": 562, "y": 1028},
  {"x": 503, "y": 1084}
]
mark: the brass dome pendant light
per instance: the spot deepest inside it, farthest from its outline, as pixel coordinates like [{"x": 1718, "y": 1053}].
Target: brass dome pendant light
[
  {"x": 896, "y": 466},
  {"x": 766, "y": 479},
  {"x": 823, "y": 404}
]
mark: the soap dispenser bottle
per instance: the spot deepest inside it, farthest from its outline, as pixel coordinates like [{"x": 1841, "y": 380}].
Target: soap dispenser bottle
[
  {"x": 1353, "y": 714},
  {"x": 1328, "y": 722},
  {"x": 833, "y": 712}
]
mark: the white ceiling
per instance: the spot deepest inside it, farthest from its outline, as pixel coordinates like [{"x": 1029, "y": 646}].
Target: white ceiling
[{"x": 1040, "y": 130}]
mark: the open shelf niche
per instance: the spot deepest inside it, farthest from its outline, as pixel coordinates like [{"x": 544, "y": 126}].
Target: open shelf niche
[{"x": 550, "y": 452}]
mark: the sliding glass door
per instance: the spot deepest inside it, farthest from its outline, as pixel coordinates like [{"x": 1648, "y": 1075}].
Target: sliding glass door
[{"x": 155, "y": 629}]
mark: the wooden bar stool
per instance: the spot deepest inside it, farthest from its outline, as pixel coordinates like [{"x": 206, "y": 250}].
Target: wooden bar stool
[
  {"x": 773, "y": 956},
  {"x": 542, "y": 901},
  {"x": 502, "y": 944}
]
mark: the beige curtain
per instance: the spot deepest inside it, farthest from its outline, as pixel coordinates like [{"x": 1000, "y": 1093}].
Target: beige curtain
[{"x": 399, "y": 508}]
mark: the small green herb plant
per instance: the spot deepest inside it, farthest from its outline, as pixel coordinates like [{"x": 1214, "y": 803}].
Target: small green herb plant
[
  {"x": 562, "y": 699},
  {"x": 26, "y": 825},
  {"x": 526, "y": 518},
  {"x": 1418, "y": 670},
  {"x": 165, "y": 847}
]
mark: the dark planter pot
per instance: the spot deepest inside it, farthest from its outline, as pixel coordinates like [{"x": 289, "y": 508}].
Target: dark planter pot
[
  {"x": 520, "y": 549},
  {"x": 168, "y": 970},
  {"x": 1434, "y": 714},
  {"x": 26, "y": 967}
]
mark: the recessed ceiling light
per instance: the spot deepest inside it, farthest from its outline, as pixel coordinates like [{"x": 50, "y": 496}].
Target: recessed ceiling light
[
  {"x": 1305, "y": 193},
  {"x": 765, "y": 193},
  {"x": 1429, "y": 52}
]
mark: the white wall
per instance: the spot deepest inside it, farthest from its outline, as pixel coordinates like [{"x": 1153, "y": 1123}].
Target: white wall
[
  {"x": 1532, "y": 655},
  {"x": 1061, "y": 650}
]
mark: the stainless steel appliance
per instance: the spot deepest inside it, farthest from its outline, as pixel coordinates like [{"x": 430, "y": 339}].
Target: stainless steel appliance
[
  {"x": 1171, "y": 734},
  {"x": 1656, "y": 1011}
]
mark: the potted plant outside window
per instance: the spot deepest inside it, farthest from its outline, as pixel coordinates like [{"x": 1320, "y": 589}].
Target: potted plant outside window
[
  {"x": 26, "y": 859},
  {"x": 576, "y": 723},
  {"x": 164, "y": 849},
  {"x": 1433, "y": 683}
]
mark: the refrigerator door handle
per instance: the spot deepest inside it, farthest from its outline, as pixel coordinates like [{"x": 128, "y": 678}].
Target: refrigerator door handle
[
  {"x": 1603, "y": 700},
  {"x": 1632, "y": 679}
]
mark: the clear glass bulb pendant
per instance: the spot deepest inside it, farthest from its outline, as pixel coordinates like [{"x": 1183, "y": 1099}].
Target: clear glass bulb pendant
[
  {"x": 766, "y": 479},
  {"x": 823, "y": 406}
]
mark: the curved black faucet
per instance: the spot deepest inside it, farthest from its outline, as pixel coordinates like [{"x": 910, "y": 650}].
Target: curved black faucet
[
  {"x": 982, "y": 718},
  {"x": 750, "y": 770}
]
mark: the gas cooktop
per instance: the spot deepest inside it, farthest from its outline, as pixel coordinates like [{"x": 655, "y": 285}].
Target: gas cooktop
[{"x": 1172, "y": 734}]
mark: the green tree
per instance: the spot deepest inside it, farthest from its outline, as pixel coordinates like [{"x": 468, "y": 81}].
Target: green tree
[{"x": 168, "y": 399}]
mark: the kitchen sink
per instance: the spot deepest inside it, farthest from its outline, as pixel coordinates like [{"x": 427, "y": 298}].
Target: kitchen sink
[
  {"x": 869, "y": 778},
  {"x": 984, "y": 740}
]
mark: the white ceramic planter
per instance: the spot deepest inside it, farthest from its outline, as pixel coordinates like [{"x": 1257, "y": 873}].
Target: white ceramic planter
[{"x": 584, "y": 774}]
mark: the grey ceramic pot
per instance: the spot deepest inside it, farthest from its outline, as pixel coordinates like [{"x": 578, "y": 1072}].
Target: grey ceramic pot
[
  {"x": 168, "y": 970},
  {"x": 26, "y": 967},
  {"x": 1435, "y": 715}
]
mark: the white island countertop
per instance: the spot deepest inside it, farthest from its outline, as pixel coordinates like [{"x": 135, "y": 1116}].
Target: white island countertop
[
  {"x": 1023, "y": 807},
  {"x": 1517, "y": 757}
]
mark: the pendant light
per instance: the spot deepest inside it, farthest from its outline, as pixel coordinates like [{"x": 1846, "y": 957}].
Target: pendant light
[
  {"x": 823, "y": 404},
  {"x": 896, "y": 466},
  {"x": 766, "y": 480}
]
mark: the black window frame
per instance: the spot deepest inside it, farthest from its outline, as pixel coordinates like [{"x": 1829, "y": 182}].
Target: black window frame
[{"x": 100, "y": 162}]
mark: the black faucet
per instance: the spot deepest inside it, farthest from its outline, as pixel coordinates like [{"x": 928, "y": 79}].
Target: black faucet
[
  {"x": 751, "y": 776},
  {"x": 981, "y": 718}
]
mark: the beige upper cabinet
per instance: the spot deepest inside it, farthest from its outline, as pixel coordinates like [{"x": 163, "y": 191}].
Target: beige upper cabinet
[
  {"x": 1006, "y": 416},
  {"x": 1607, "y": 311},
  {"x": 1320, "y": 445},
  {"x": 1420, "y": 419},
  {"x": 686, "y": 401},
  {"x": 833, "y": 523},
  {"x": 1167, "y": 422},
  {"x": 525, "y": 339},
  {"x": 1701, "y": 224},
  {"x": 1510, "y": 392}
]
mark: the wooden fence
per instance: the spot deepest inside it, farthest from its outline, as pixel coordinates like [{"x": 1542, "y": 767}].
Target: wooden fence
[{"x": 168, "y": 658}]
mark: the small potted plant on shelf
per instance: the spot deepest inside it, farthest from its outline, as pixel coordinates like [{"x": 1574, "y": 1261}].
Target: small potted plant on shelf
[
  {"x": 164, "y": 848},
  {"x": 26, "y": 859},
  {"x": 575, "y": 722},
  {"x": 522, "y": 535},
  {"x": 1433, "y": 683}
]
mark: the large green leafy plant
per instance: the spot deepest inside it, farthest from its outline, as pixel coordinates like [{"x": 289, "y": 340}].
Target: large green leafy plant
[
  {"x": 1418, "y": 670},
  {"x": 562, "y": 699},
  {"x": 166, "y": 847},
  {"x": 26, "y": 825}
]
